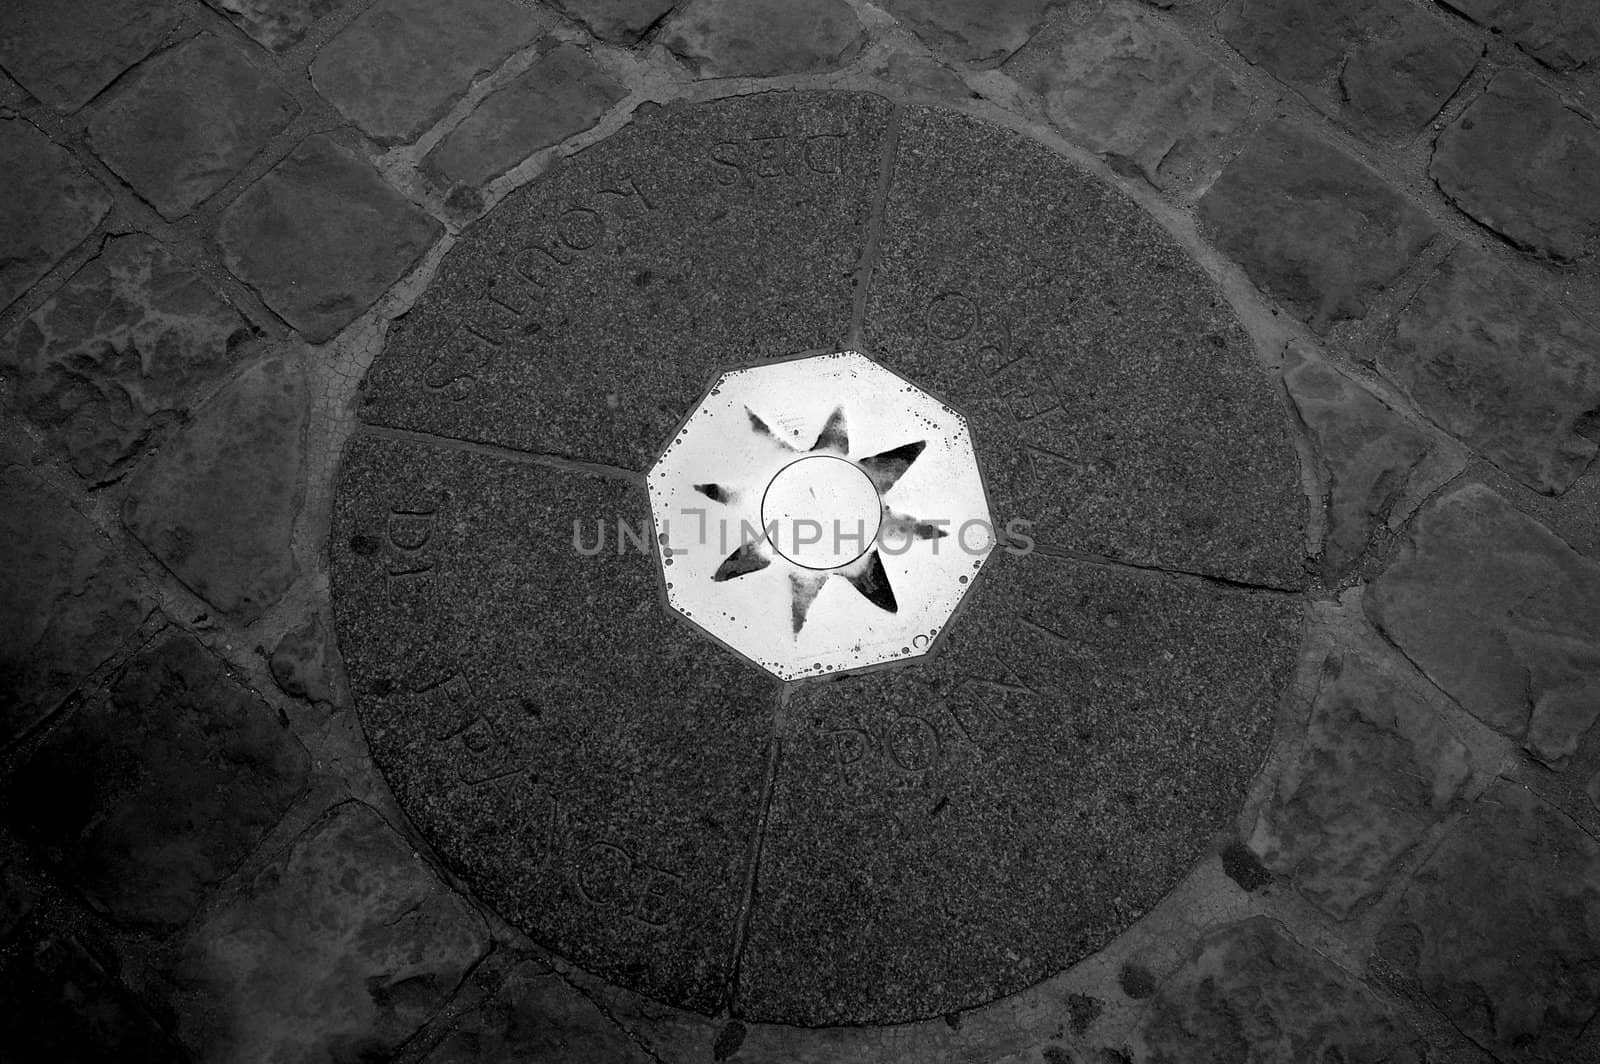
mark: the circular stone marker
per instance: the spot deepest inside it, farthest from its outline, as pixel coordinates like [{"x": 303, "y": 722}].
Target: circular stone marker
[
  {"x": 973, "y": 815},
  {"x": 821, "y": 512}
]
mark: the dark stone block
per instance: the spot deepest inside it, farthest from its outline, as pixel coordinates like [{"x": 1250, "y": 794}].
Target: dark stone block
[
  {"x": 61, "y": 1004},
  {"x": 275, "y": 24},
  {"x": 622, "y": 22},
  {"x": 1564, "y": 35},
  {"x": 1113, "y": 396},
  {"x": 50, "y": 206},
  {"x": 589, "y": 764},
  {"x": 585, "y": 315},
  {"x": 763, "y": 38},
  {"x": 66, "y": 51}
]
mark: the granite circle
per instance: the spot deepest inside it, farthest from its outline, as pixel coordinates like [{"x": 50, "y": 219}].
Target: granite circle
[{"x": 863, "y": 849}]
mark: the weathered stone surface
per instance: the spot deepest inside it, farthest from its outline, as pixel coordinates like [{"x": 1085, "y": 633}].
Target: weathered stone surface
[
  {"x": 153, "y": 793},
  {"x": 616, "y": 21},
  {"x": 1502, "y": 615},
  {"x": 50, "y": 206},
  {"x": 1378, "y": 467},
  {"x": 399, "y": 66},
  {"x": 321, "y": 236},
  {"x": 587, "y": 762},
  {"x": 1128, "y": 86},
  {"x": 1381, "y": 64},
  {"x": 217, "y": 505},
  {"x": 1378, "y": 771},
  {"x": 942, "y": 836},
  {"x": 1504, "y": 367},
  {"x": 66, "y": 602},
  {"x": 63, "y": 1005},
  {"x": 706, "y": 236},
  {"x": 110, "y": 364},
  {"x": 340, "y": 951},
  {"x": 563, "y": 93},
  {"x": 1312, "y": 226},
  {"x": 1114, "y": 397},
  {"x": 1522, "y": 163},
  {"x": 182, "y": 125},
  {"x": 1251, "y": 995},
  {"x": 1562, "y": 34},
  {"x": 763, "y": 38},
  {"x": 66, "y": 51},
  {"x": 299, "y": 663},
  {"x": 275, "y": 24},
  {"x": 973, "y": 33},
  {"x": 535, "y": 1015},
  {"x": 1501, "y": 928}
]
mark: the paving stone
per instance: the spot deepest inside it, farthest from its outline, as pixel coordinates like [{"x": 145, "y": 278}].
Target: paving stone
[
  {"x": 50, "y": 207},
  {"x": 564, "y": 93},
  {"x": 398, "y": 67},
  {"x": 1128, "y": 86},
  {"x": 1381, "y": 64},
  {"x": 321, "y": 236},
  {"x": 1378, "y": 467},
  {"x": 940, "y": 837},
  {"x": 217, "y": 506},
  {"x": 660, "y": 238},
  {"x": 1313, "y": 227},
  {"x": 340, "y": 951},
  {"x": 109, "y": 366},
  {"x": 182, "y": 125},
  {"x": 1379, "y": 770},
  {"x": 1249, "y": 994},
  {"x": 535, "y": 1015},
  {"x": 1564, "y": 35},
  {"x": 153, "y": 793},
  {"x": 1499, "y": 929},
  {"x": 1072, "y": 331},
  {"x": 1520, "y": 162},
  {"x": 1504, "y": 367},
  {"x": 970, "y": 33},
  {"x": 275, "y": 24},
  {"x": 66, "y": 51},
  {"x": 763, "y": 38},
  {"x": 299, "y": 663},
  {"x": 590, "y": 765},
  {"x": 616, "y": 21},
  {"x": 63, "y": 1005},
  {"x": 66, "y": 602},
  {"x": 1502, "y": 615}
]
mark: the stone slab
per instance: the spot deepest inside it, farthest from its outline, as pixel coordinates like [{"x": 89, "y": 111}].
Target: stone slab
[
  {"x": 341, "y": 949},
  {"x": 1499, "y": 929},
  {"x": 110, "y": 364},
  {"x": 1503, "y": 366},
  {"x": 563, "y": 93},
  {"x": 66, "y": 51},
  {"x": 942, "y": 836},
  {"x": 63, "y": 1004},
  {"x": 152, "y": 794},
  {"x": 397, "y": 68},
  {"x": 1520, "y": 162},
  {"x": 217, "y": 506},
  {"x": 1564, "y": 35},
  {"x": 1316, "y": 229},
  {"x": 1502, "y": 615},
  {"x": 587, "y": 762},
  {"x": 623, "y": 22},
  {"x": 1249, "y": 993},
  {"x": 320, "y": 236},
  {"x": 1378, "y": 771},
  {"x": 1118, "y": 79},
  {"x": 185, "y": 123},
  {"x": 51, "y": 206},
  {"x": 67, "y": 602},
  {"x": 973, "y": 33},
  {"x": 276, "y": 25},
  {"x": 1113, "y": 397},
  {"x": 585, "y": 316},
  {"x": 763, "y": 38}
]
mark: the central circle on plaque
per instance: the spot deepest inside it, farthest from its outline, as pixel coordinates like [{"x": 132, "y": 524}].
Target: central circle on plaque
[{"x": 821, "y": 512}]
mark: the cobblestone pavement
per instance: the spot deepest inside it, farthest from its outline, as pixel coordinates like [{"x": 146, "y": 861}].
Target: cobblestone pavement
[{"x": 1344, "y": 503}]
